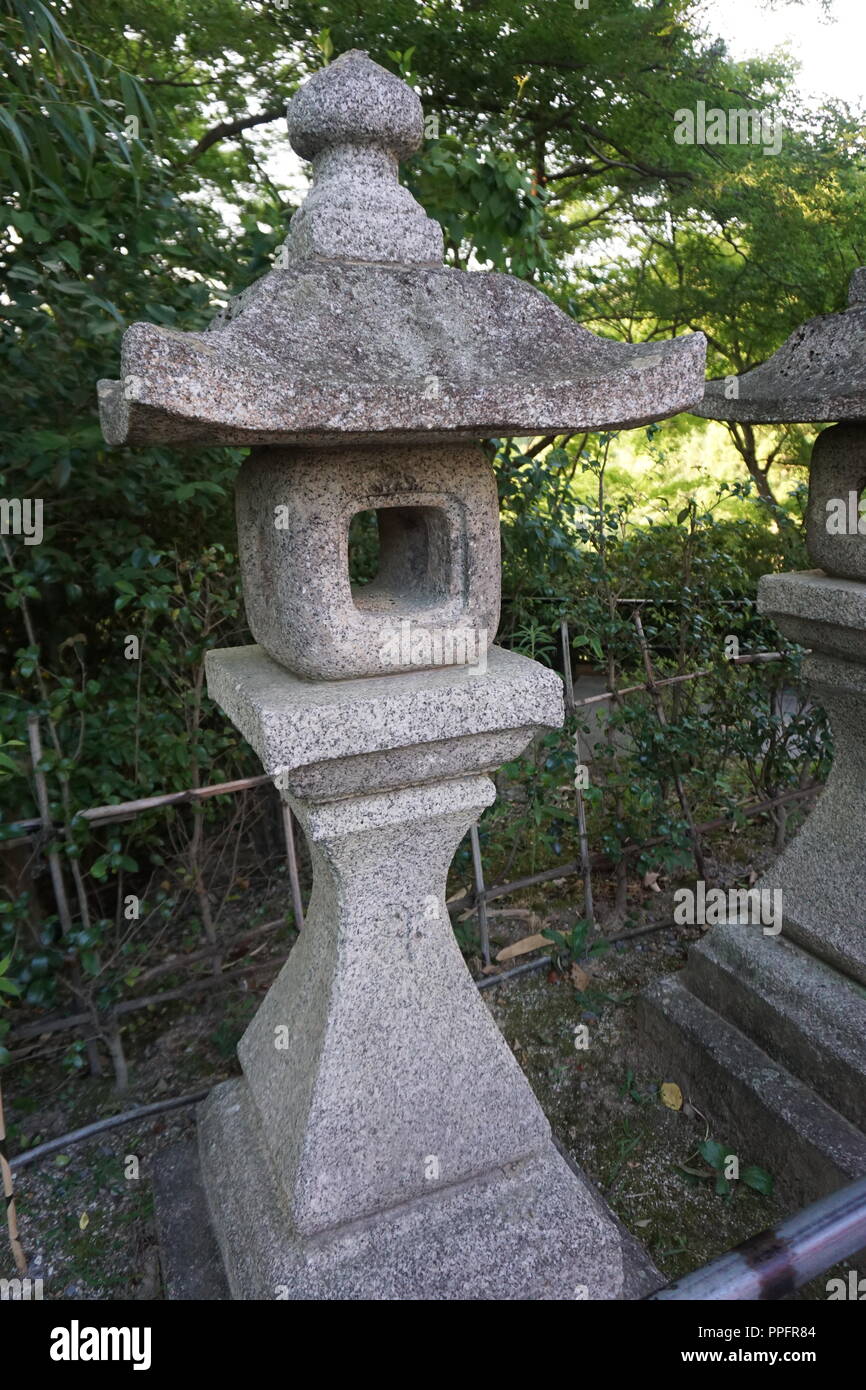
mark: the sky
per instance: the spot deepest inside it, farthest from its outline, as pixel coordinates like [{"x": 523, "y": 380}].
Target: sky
[{"x": 831, "y": 53}]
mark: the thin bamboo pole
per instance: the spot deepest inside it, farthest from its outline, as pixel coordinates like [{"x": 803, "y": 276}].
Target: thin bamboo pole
[
  {"x": 292, "y": 860},
  {"x": 585, "y": 861},
  {"x": 588, "y": 903},
  {"x": 480, "y": 895},
  {"x": 126, "y": 810},
  {"x": 203, "y": 985},
  {"x": 746, "y": 660},
  {"x": 181, "y": 962},
  {"x": 56, "y": 872},
  {"x": 45, "y": 824},
  {"x": 9, "y": 1195},
  {"x": 567, "y": 672},
  {"x": 602, "y": 861}
]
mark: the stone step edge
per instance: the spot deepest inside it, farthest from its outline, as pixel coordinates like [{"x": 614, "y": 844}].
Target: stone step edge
[
  {"x": 806, "y": 1040},
  {"x": 809, "y": 1147}
]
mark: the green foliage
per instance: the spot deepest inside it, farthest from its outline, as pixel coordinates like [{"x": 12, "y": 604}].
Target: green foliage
[
  {"x": 232, "y": 1027},
  {"x": 486, "y": 204},
  {"x": 137, "y": 543},
  {"x": 721, "y": 1162},
  {"x": 573, "y": 946},
  {"x": 572, "y": 550},
  {"x": 58, "y": 117},
  {"x": 7, "y": 988}
]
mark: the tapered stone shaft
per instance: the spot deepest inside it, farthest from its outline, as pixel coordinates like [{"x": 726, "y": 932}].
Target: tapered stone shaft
[{"x": 363, "y": 1055}]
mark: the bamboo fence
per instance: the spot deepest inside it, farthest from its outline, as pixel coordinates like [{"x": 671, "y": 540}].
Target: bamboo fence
[{"x": 41, "y": 830}]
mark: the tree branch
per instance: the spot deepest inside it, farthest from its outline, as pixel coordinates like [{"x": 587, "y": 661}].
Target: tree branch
[{"x": 224, "y": 130}]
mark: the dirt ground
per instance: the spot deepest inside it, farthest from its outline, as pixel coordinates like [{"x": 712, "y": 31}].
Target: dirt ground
[{"x": 86, "y": 1213}]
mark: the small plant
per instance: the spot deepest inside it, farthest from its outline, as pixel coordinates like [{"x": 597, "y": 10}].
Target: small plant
[
  {"x": 631, "y": 1089},
  {"x": 625, "y": 1147},
  {"x": 572, "y": 946},
  {"x": 723, "y": 1170},
  {"x": 75, "y": 1056},
  {"x": 534, "y": 639}
]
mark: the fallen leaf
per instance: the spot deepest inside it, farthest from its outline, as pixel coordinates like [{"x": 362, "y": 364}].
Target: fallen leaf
[
  {"x": 753, "y": 878},
  {"x": 83, "y": 1221},
  {"x": 671, "y": 1095},
  {"x": 524, "y": 945},
  {"x": 651, "y": 880},
  {"x": 643, "y": 1223},
  {"x": 579, "y": 978}
]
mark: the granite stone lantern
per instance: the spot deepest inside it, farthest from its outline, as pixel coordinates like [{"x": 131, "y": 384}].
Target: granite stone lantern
[
  {"x": 382, "y": 1141},
  {"x": 770, "y": 1030}
]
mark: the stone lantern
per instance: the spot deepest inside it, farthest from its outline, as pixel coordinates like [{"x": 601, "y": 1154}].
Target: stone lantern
[
  {"x": 382, "y": 1141},
  {"x": 769, "y": 1030}
]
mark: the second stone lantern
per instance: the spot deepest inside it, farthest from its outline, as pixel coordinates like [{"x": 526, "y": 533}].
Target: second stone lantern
[
  {"x": 382, "y": 1141},
  {"x": 768, "y": 1030}
]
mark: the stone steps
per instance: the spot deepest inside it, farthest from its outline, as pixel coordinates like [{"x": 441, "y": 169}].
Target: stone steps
[
  {"x": 801, "y": 1011},
  {"x": 748, "y": 1098}
]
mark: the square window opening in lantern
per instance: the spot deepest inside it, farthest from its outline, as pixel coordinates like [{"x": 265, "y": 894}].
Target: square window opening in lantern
[{"x": 399, "y": 559}]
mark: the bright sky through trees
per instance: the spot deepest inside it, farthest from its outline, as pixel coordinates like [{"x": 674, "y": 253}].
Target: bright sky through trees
[{"x": 828, "y": 49}]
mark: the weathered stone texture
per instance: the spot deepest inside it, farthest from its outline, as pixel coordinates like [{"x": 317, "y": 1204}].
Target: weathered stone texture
[
  {"x": 819, "y": 373},
  {"x": 438, "y": 558}
]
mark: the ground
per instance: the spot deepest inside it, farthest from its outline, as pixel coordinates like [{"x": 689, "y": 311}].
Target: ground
[{"x": 86, "y": 1220}]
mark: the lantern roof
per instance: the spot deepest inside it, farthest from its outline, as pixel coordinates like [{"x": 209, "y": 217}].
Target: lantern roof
[
  {"x": 818, "y": 374},
  {"x": 361, "y": 333}
]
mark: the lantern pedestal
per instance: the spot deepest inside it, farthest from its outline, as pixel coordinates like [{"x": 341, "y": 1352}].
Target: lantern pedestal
[
  {"x": 383, "y": 1142},
  {"x": 533, "y": 1229}
]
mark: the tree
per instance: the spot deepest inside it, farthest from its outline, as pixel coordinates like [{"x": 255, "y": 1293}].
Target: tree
[{"x": 770, "y": 243}]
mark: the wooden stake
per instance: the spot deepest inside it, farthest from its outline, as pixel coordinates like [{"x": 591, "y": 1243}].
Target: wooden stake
[
  {"x": 56, "y": 872},
  {"x": 480, "y": 895},
  {"x": 585, "y": 862},
  {"x": 566, "y": 665},
  {"x": 45, "y": 817},
  {"x": 9, "y": 1194},
  {"x": 292, "y": 858}
]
